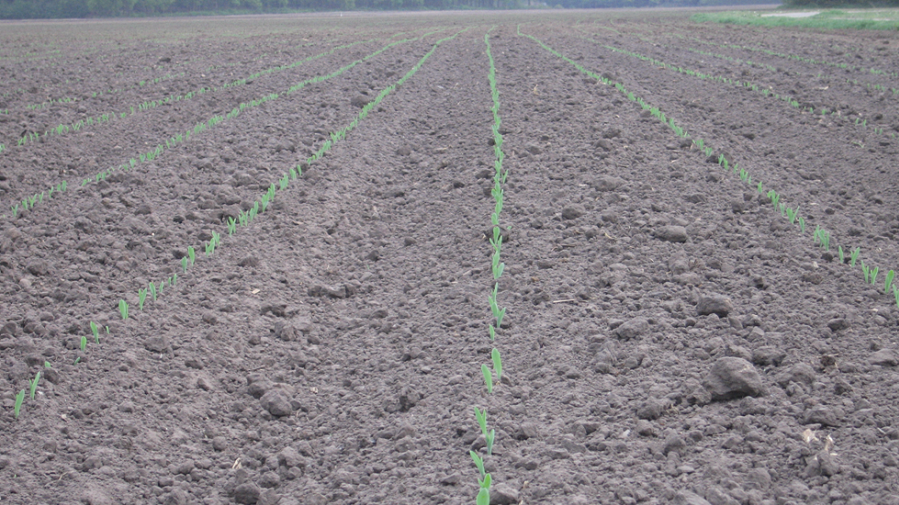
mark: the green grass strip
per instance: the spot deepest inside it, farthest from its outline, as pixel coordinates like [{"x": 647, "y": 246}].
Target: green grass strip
[{"x": 826, "y": 20}]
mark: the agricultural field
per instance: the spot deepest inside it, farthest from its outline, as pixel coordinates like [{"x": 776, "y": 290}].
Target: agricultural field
[{"x": 441, "y": 258}]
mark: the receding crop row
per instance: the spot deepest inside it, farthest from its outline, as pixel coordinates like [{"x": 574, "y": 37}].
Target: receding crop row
[
  {"x": 812, "y": 61},
  {"x": 180, "y": 138},
  {"x": 767, "y": 92},
  {"x": 496, "y": 267},
  {"x": 173, "y": 98},
  {"x": 95, "y": 94},
  {"x": 820, "y": 236},
  {"x": 156, "y": 289}
]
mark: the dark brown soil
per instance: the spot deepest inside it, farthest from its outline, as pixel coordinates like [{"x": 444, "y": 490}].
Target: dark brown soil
[{"x": 670, "y": 337}]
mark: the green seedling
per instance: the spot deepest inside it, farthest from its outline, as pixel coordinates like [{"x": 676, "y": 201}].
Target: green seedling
[
  {"x": 498, "y": 313},
  {"x": 95, "y": 330},
  {"x": 141, "y": 297},
  {"x": 792, "y": 214},
  {"x": 174, "y": 279},
  {"x": 874, "y": 274},
  {"x": 896, "y": 294},
  {"x": 481, "y": 416},
  {"x": 232, "y": 226},
  {"x": 83, "y": 343},
  {"x": 497, "y": 364},
  {"x": 484, "y": 492},
  {"x": 840, "y": 253},
  {"x": 488, "y": 378},
  {"x": 889, "y": 282},
  {"x": 498, "y": 267},
  {"x": 123, "y": 309},
  {"x": 854, "y": 256},
  {"x": 33, "y": 384},
  {"x": 192, "y": 254},
  {"x": 20, "y": 397},
  {"x": 866, "y": 272},
  {"x": 153, "y": 291},
  {"x": 184, "y": 262},
  {"x": 46, "y": 364},
  {"x": 492, "y": 332},
  {"x": 478, "y": 462},
  {"x": 77, "y": 360}
]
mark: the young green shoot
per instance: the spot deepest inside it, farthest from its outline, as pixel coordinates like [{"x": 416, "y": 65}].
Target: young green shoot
[
  {"x": 20, "y": 397},
  {"x": 33, "y": 383},
  {"x": 497, "y": 364},
  {"x": 153, "y": 290},
  {"x": 840, "y": 253},
  {"x": 498, "y": 313},
  {"x": 874, "y": 274},
  {"x": 192, "y": 254},
  {"x": 488, "y": 378},
  {"x": 141, "y": 297},
  {"x": 232, "y": 226},
  {"x": 483, "y": 497},
  {"x": 123, "y": 309},
  {"x": 889, "y": 282},
  {"x": 96, "y": 331},
  {"x": 184, "y": 262},
  {"x": 492, "y": 332},
  {"x": 83, "y": 343},
  {"x": 478, "y": 462},
  {"x": 866, "y": 272},
  {"x": 854, "y": 256}
]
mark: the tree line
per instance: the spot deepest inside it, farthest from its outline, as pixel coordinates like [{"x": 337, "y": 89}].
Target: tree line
[{"x": 30, "y": 9}]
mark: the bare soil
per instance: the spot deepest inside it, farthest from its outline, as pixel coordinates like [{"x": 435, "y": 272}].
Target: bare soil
[{"x": 670, "y": 337}]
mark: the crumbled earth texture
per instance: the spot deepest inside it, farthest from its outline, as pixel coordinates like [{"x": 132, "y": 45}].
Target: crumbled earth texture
[{"x": 670, "y": 336}]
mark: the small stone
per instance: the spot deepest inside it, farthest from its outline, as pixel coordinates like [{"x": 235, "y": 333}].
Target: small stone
[
  {"x": 673, "y": 442},
  {"x": 38, "y": 268},
  {"x": 719, "y": 305},
  {"x": 651, "y": 409},
  {"x": 822, "y": 463},
  {"x": 671, "y": 233},
  {"x": 689, "y": 498},
  {"x": 157, "y": 343},
  {"x": 768, "y": 355},
  {"x": 246, "y": 494},
  {"x": 634, "y": 328},
  {"x": 838, "y": 324},
  {"x": 573, "y": 212},
  {"x": 185, "y": 468},
  {"x": 360, "y": 101},
  {"x": 823, "y": 415},
  {"x": 178, "y": 496},
  {"x": 290, "y": 458},
  {"x": 219, "y": 443},
  {"x": 269, "y": 497},
  {"x": 269, "y": 480},
  {"x": 731, "y": 378},
  {"x": 503, "y": 494},
  {"x": 276, "y": 403},
  {"x": 884, "y": 357},
  {"x": 644, "y": 428}
]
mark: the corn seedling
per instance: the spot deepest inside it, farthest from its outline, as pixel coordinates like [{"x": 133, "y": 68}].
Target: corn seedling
[
  {"x": 497, "y": 364},
  {"x": 192, "y": 254},
  {"x": 33, "y": 383},
  {"x": 889, "y": 282},
  {"x": 840, "y": 254},
  {"x": 896, "y": 294},
  {"x": 874, "y": 274},
  {"x": 17, "y": 407},
  {"x": 478, "y": 462},
  {"x": 153, "y": 290},
  {"x": 123, "y": 309},
  {"x": 498, "y": 313},
  {"x": 792, "y": 215},
  {"x": 492, "y": 332},
  {"x": 854, "y": 256},
  {"x": 96, "y": 332},
  {"x": 184, "y": 261},
  {"x": 822, "y": 237},
  {"x": 801, "y": 224},
  {"x": 497, "y": 266},
  {"x": 83, "y": 343},
  {"x": 488, "y": 378},
  {"x": 141, "y": 297},
  {"x": 866, "y": 272},
  {"x": 232, "y": 226}
]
